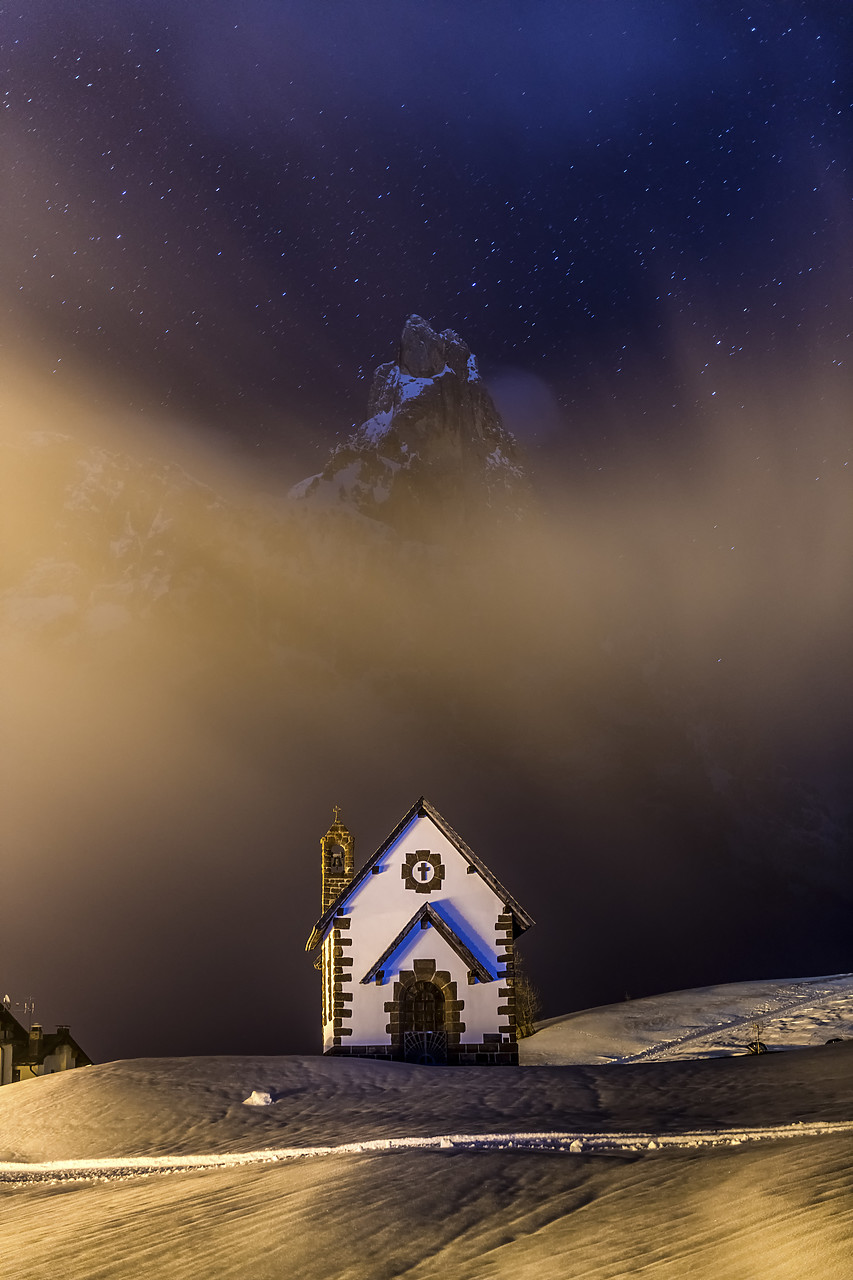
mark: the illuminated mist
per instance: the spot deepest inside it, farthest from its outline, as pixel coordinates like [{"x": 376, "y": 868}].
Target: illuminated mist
[{"x": 635, "y": 701}]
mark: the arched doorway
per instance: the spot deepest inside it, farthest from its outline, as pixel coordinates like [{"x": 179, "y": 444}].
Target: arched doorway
[{"x": 422, "y": 1023}]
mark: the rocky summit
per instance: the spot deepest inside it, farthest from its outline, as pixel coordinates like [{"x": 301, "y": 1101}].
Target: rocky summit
[{"x": 433, "y": 454}]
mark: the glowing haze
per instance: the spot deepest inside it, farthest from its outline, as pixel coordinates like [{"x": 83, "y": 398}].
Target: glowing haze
[
  {"x": 609, "y": 699},
  {"x": 633, "y": 703}
]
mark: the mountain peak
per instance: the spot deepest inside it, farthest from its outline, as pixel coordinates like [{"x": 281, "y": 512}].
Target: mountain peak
[
  {"x": 432, "y": 450},
  {"x": 424, "y": 353}
]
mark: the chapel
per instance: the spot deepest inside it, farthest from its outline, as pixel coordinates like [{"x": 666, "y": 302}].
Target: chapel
[{"x": 416, "y": 949}]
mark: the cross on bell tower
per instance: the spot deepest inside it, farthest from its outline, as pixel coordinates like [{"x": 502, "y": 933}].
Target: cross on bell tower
[{"x": 337, "y": 850}]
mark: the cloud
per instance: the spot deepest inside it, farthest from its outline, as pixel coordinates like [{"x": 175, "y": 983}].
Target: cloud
[{"x": 527, "y": 405}]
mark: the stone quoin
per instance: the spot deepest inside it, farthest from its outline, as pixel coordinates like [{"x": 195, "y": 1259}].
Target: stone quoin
[{"x": 416, "y": 949}]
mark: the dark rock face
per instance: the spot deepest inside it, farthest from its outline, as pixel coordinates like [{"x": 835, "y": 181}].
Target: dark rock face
[
  {"x": 433, "y": 451},
  {"x": 422, "y": 351}
]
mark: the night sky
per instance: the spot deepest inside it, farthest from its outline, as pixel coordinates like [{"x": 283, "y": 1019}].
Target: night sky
[
  {"x": 625, "y": 207},
  {"x": 215, "y": 220}
]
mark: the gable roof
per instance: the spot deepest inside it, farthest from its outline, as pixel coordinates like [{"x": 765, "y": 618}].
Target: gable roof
[
  {"x": 443, "y": 929},
  {"x": 34, "y": 1053},
  {"x": 12, "y": 1028},
  {"x": 29, "y": 1052},
  {"x": 421, "y": 808}
]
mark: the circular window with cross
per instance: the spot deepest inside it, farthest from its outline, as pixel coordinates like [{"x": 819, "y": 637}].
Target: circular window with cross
[{"x": 423, "y": 871}]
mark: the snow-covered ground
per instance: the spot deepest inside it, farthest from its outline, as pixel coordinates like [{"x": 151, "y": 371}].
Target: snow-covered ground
[
  {"x": 707, "y": 1022},
  {"x": 716, "y": 1167}
]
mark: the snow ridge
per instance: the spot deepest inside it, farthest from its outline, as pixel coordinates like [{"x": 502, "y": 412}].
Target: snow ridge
[{"x": 115, "y": 1167}]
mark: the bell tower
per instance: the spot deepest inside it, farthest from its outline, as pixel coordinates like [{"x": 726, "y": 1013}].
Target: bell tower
[{"x": 337, "y": 853}]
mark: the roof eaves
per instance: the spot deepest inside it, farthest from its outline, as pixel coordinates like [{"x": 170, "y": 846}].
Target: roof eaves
[
  {"x": 420, "y": 807},
  {"x": 11, "y": 1023},
  {"x": 331, "y": 911},
  {"x": 524, "y": 919}
]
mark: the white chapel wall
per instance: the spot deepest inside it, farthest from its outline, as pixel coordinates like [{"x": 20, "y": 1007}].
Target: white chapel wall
[{"x": 381, "y": 906}]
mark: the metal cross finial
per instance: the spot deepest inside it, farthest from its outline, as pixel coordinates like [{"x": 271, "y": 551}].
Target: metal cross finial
[{"x": 337, "y": 808}]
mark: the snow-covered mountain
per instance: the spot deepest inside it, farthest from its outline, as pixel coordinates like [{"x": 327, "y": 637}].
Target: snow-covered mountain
[
  {"x": 433, "y": 452},
  {"x": 116, "y": 549},
  {"x": 103, "y": 539}
]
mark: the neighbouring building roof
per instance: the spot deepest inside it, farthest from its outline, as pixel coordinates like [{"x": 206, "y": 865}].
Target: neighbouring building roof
[
  {"x": 30, "y": 1049},
  {"x": 33, "y": 1052}
]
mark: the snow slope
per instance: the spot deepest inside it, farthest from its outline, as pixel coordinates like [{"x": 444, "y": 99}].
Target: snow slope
[
  {"x": 661, "y": 1179},
  {"x": 705, "y": 1022},
  {"x": 780, "y": 1212}
]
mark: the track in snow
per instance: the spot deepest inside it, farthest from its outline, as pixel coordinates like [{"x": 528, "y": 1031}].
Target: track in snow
[
  {"x": 804, "y": 1001},
  {"x": 109, "y": 1168}
]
